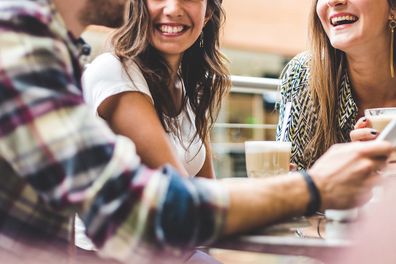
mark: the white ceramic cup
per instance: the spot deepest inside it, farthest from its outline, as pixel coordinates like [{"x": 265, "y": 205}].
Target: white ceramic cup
[{"x": 380, "y": 117}]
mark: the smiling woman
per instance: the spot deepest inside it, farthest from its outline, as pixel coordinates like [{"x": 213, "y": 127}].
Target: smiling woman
[
  {"x": 347, "y": 70},
  {"x": 164, "y": 81},
  {"x": 162, "y": 85}
]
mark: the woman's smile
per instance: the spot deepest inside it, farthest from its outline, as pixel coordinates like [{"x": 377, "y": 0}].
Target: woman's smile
[
  {"x": 340, "y": 19},
  {"x": 171, "y": 29}
]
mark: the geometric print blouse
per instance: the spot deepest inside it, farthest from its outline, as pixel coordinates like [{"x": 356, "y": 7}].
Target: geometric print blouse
[{"x": 303, "y": 117}]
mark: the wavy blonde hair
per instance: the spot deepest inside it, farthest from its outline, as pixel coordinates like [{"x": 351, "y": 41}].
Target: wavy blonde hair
[{"x": 327, "y": 68}]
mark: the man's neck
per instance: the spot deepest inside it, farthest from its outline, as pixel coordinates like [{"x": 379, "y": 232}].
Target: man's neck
[{"x": 69, "y": 11}]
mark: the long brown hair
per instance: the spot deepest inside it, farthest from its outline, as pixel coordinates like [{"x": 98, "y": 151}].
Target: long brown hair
[
  {"x": 202, "y": 69},
  {"x": 328, "y": 65}
]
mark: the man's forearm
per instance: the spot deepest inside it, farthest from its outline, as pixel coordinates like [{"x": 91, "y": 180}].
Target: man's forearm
[{"x": 257, "y": 202}]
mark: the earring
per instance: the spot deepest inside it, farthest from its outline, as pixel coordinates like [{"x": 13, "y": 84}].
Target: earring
[
  {"x": 201, "y": 40},
  {"x": 392, "y": 26}
]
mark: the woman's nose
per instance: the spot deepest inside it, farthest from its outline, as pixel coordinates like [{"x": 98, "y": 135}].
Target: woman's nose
[
  {"x": 173, "y": 8},
  {"x": 334, "y": 3}
]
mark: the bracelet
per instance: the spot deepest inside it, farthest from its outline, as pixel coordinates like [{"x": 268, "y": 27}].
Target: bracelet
[{"x": 314, "y": 195}]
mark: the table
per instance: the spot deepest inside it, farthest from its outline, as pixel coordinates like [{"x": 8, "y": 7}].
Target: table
[{"x": 285, "y": 239}]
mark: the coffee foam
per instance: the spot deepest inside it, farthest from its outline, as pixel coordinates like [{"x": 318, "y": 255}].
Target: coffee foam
[
  {"x": 381, "y": 121},
  {"x": 267, "y": 146}
]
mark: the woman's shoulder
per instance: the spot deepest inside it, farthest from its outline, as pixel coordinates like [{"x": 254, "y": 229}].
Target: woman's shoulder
[
  {"x": 106, "y": 57},
  {"x": 107, "y": 76},
  {"x": 298, "y": 65},
  {"x": 108, "y": 67},
  {"x": 104, "y": 66},
  {"x": 295, "y": 75},
  {"x": 302, "y": 58},
  {"x": 108, "y": 63}
]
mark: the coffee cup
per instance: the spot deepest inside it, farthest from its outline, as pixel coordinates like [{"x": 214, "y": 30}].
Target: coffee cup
[
  {"x": 267, "y": 158},
  {"x": 380, "y": 117}
]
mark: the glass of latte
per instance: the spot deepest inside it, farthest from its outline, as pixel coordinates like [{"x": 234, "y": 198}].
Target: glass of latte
[
  {"x": 267, "y": 158},
  {"x": 380, "y": 117}
]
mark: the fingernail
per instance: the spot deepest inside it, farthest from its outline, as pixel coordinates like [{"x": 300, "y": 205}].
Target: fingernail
[{"x": 374, "y": 132}]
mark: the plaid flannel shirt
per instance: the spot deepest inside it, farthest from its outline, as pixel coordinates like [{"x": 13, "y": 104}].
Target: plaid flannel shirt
[{"x": 57, "y": 159}]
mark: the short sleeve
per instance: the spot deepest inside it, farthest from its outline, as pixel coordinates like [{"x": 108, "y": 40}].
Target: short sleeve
[{"x": 105, "y": 77}]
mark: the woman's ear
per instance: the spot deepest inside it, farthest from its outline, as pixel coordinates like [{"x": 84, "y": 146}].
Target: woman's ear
[{"x": 208, "y": 16}]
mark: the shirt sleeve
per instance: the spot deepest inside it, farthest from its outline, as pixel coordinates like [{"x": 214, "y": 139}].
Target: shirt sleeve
[
  {"x": 105, "y": 77},
  {"x": 285, "y": 97},
  {"x": 292, "y": 76},
  {"x": 76, "y": 164}
]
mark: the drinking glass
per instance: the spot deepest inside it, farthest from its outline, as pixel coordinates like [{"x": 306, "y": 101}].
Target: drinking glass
[
  {"x": 267, "y": 158},
  {"x": 380, "y": 117}
]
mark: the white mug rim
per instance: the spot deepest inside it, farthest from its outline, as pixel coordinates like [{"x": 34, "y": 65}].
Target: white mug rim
[{"x": 386, "y": 110}]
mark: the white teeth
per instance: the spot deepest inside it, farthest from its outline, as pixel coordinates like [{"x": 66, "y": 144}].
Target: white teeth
[
  {"x": 171, "y": 29},
  {"x": 335, "y": 20}
]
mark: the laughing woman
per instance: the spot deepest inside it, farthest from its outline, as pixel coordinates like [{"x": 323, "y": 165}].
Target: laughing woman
[
  {"x": 349, "y": 68},
  {"x": 162, "y": 85}
]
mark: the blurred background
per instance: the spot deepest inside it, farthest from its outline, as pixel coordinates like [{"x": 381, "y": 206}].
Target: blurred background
[{"x": 259, "y": 38}]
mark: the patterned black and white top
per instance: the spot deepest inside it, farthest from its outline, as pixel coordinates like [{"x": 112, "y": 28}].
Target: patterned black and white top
[{"x": 299, "y": 126}]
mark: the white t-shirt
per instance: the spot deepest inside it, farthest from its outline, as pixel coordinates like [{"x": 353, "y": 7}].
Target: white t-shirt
[{"x": 105, "y": 77}]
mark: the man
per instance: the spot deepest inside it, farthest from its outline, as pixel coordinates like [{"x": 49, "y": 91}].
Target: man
[{"x": 56, "y": 160}]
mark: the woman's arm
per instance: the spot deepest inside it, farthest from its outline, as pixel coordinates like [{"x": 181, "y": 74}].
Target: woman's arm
[
  {"x": 133, "y": 115},
  {"x": 207, "y": 170}
]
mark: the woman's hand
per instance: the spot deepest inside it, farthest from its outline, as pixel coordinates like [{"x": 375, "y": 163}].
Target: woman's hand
[{"x": 363, "y": 131}]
